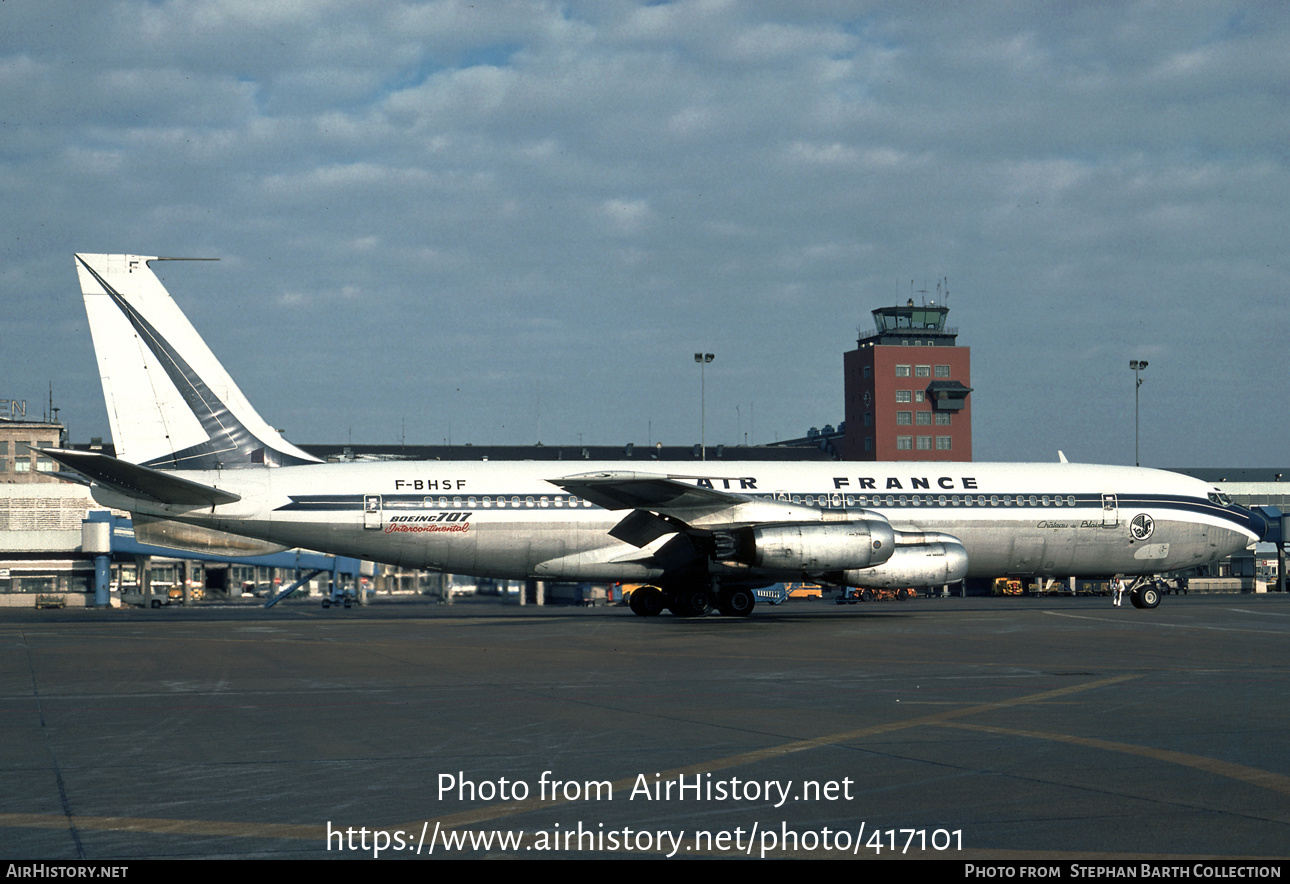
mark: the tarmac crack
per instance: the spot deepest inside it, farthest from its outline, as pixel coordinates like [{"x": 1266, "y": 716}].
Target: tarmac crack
[{"x": 53, "y": 756}]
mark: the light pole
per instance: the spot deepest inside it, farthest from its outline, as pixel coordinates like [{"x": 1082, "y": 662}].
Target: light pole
[
  {"x": 703, "y": 359},
  {"x": 1137, "y": 365}
]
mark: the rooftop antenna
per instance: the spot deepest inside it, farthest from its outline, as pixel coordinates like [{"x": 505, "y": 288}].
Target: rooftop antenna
[{"x": 923, "y": 293}]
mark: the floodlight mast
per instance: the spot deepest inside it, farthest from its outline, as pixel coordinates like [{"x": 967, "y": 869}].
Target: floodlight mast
[
  {"x": 1137, "y": 365},
  {"x": 703, "y": 359}
]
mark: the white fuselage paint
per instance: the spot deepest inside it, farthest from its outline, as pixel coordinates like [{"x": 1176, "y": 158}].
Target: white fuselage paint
[{"x": 506, "y": 520}]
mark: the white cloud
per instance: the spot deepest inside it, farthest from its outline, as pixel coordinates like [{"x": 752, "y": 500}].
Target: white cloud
[{"x": 628, "y": 216}]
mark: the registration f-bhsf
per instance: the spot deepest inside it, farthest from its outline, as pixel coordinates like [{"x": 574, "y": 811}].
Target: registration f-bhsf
[{"x": 190, "y": 448}]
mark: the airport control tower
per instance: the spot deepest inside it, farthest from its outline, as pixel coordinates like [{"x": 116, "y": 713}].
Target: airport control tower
[{"x": 906, "y": 387}]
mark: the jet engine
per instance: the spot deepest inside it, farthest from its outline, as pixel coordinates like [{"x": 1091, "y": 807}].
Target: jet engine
[
  {"x": 828, "y": 546},
  {"x": 925, "y": 559}
]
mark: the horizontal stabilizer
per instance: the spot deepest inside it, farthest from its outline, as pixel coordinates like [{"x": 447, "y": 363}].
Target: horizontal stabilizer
[{"x": 134, "y": 480}]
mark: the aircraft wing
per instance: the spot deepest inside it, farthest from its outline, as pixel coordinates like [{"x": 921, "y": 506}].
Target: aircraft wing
[
  {"x": 645, "y": 491},
  {"x": 666, "y": 504},
  {"x": 134, "y": 480},
  {"x": 778, "y": 536}
]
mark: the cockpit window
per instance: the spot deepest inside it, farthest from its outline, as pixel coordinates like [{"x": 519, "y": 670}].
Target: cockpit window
[{"x": 1220, "y": 498}]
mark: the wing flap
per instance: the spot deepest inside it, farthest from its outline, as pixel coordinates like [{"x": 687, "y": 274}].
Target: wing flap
[{"x": 641, "y": 528}]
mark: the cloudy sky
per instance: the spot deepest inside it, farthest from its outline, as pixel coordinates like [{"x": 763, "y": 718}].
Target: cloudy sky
[{"x": 505, "y": 222}]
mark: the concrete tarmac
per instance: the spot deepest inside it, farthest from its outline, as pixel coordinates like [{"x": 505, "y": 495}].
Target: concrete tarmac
[{"x": 1013, "y": 728}]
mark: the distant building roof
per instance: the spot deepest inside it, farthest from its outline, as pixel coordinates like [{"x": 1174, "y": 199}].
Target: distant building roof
[
  {"x": 896, "y": 325},
  {"x": 629, "y": 452},
  {"x": 1235, "y": 474}
]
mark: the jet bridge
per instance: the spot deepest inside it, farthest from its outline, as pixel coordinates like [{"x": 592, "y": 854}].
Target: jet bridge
[{"x": 1277, "y": 532}]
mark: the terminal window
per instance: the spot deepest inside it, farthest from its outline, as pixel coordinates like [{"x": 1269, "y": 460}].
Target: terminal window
[
  {"x": 942, "y": 371},
  {"x": 904, "y": 443},
  {"x": 924, "y": 418},
  {"x": 904, "y": 418},
  {"x": 924, "y": 443},
  {"x": 904, "y": 396},
  {"x": 902, "y": 371},
  {"x": 923, "y": 371}
]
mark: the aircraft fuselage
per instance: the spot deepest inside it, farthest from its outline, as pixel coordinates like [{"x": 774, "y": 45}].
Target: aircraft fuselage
[{"x": 509, "y": 521}]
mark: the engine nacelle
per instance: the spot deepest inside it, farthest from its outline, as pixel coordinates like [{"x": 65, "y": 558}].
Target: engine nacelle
[
  {"x": 816, "y": 546},
  {"x": 921, "y": 564}
]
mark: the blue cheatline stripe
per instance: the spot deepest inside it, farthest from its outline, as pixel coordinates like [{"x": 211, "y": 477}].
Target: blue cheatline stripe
[{"x": 1168, "y": 502}]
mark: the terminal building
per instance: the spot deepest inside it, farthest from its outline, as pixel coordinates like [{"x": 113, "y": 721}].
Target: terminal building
[
  {"x": 19, "y": 462},
  {"x": 907, "y": 387}
]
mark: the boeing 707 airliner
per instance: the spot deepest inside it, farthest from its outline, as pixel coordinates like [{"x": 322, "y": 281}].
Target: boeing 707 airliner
[{"x": 190, "y": 448}]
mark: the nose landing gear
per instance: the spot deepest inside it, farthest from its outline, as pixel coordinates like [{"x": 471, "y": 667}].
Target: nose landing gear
[{"x": 1144, "y": 592}]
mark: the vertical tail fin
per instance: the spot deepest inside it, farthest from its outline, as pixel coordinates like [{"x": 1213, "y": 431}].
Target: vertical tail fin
[{"x": 170, "y": 402}]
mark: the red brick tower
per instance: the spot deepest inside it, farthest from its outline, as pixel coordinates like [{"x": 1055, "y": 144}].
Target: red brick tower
[{"x": 907, "y": 387}]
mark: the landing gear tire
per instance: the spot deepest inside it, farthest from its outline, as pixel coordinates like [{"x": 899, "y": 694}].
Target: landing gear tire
[
  {"x": 737, "y": 602},
  {"x": 1147, "y": 597},
  {"x": 867, "y": 595},
  {"x": 646, "y": 601},
  {"x": 698, "y": 602},
  {"x": 691, "y": 602},
  {"x": 326, "y": 603}
]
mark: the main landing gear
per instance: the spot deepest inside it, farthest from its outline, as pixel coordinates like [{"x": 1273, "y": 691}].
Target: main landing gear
[{"x": 693, "y": 600}]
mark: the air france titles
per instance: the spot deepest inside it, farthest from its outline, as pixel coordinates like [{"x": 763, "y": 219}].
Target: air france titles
[
  {"x": 945, "y": 483},
  {"x": 746, "y": 483},
  {"x": 862, "y": 483}
]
